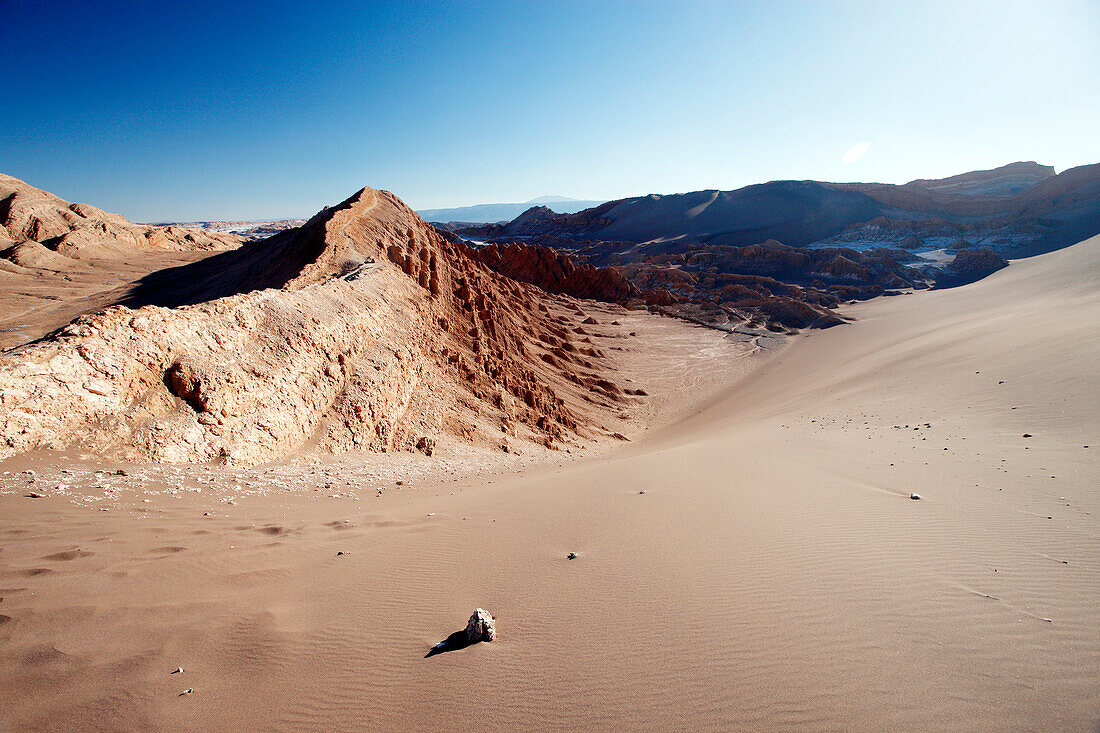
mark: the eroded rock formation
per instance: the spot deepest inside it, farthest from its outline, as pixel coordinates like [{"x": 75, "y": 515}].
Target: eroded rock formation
[
  {"x": 39, "y": 220},
  {"x": 787, "y": 252},
  {"x": 556, "y": 272},
  {"x": 363, "y": 329},
  {"x": 969, "y": 266}
]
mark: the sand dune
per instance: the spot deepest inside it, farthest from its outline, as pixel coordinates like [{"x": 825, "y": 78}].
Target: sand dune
[{"x": 775, "y": 574}]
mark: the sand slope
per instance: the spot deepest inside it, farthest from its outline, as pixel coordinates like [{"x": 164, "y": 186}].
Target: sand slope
[{"x": 775, "y": 574}]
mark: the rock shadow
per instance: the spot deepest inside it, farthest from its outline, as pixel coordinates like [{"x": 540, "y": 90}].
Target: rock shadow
[
  {"x": 452, "y": 643},
  {"x": 260, "y": 265},
  {"x": 268, "y": 263}
]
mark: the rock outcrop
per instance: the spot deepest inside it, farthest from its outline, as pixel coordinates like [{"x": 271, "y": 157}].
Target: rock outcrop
[
  {"x": 556, "y": 272},
  {"x": 362, "y": 329},
  {"x": 970, "y": 266},
  {"x": 713, "y": 284},
  {"x": 28, "y": 214}
]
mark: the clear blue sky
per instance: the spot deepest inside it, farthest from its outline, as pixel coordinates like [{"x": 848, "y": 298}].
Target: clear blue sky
[{"x": 195, "y": 110}]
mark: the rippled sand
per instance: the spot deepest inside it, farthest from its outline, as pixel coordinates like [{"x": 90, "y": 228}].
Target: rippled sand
[{"x": 775, "y": 574}]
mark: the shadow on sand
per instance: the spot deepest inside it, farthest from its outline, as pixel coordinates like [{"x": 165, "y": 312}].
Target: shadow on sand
[{"x": 452, "y": 643}]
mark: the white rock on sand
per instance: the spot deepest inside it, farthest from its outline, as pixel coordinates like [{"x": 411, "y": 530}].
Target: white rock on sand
[{"x": 481, "y": 626}]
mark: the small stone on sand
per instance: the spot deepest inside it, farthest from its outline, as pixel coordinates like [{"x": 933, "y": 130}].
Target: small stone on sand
[{"x": 481, "y": 626}]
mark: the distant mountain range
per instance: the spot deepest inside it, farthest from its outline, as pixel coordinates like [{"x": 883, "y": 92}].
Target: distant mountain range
[
  {"x": 1017, "y": 209},
  {"x": 788, "y": 251},
  {"x": 487, "y": 213}
]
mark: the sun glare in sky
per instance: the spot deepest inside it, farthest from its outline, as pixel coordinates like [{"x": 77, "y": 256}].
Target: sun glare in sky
[{"x": 854, "y": 153}]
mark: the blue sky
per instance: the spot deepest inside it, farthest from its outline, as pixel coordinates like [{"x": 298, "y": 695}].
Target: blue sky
[{"x": 194, "y": 110}]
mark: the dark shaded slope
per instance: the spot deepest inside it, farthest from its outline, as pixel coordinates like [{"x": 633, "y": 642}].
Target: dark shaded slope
[
  {"x": 794, "y": 212},
  {"x": 267, "y": 263},
  {"x": 1017, "y": 209}
]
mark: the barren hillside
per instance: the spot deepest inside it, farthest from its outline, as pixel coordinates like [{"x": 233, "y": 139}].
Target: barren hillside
[
  {"x": 32, "y": 220},
  {"x": 363, "y": 329}
]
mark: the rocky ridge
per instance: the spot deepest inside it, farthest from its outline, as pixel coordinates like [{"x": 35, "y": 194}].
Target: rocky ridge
[
  {"x": 32, "y": 221},
  {"x": 362, "y": 329},
  {"x": 1017, "y": 207}
]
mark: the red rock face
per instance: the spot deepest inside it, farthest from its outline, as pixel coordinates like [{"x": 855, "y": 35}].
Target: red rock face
[
  {"x": 663, "y": 281},
  {"x": 485, "y": 317},
  {"x": 555, "y": 272}
]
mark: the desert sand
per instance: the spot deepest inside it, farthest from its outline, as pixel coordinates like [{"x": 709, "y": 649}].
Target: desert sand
[{"x": 774, "y": 574}]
